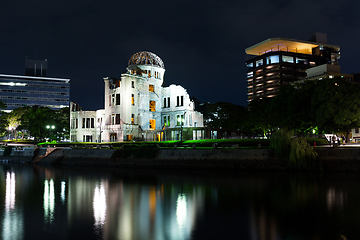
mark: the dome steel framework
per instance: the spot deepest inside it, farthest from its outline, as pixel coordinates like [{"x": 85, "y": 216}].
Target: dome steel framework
[{"x": 146, "y": 58}]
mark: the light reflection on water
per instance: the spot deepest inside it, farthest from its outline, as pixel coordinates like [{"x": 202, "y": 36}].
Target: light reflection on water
[
  {"x": 49, "y": 201},
  {"x": 73, "y": 203},
  {"x": 99, "y": 205},
  {"x": 63, "y": 189},
  {"x": 12, "y": 223},
  {"x": 10, "y": 192}
]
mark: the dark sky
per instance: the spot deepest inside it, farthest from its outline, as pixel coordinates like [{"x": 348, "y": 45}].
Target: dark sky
[{"x": 202, "y": 43}]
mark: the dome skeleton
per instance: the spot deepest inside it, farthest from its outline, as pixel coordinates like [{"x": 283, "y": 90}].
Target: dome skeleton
[{"x": 146, "y": 58}]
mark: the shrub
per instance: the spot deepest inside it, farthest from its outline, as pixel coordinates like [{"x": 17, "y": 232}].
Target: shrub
[
  {"x": 296, "y": 153},
  {"x": 280, "y": 141},
  {"x": 137, "y": 151},
  {"x": 302, "y": 156},
  {"x": 7, "y": 151},
  {"x": 318, "y": 141},
  {"x": 243, "y": 142}
]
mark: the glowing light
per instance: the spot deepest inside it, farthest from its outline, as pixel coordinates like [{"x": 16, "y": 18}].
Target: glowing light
[
  {"x": 62, "y": 193},
  {"x": 10, "y": 192},
  {"x": 49, "y": 201},
  {"x": 99, "y": 205},
  {"x": 12, "y": 84},
  {"x": 12, "y": 224},
  {"x": 181, "y": 210}
]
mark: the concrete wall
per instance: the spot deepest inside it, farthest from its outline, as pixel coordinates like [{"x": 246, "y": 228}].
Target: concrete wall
[{"x": 333, "y": 159}]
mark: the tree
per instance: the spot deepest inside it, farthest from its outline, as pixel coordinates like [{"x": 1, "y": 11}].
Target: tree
[
  {"x": 259, "y": 111},
  {"x": 336, "y": 105},
  {"x": 13, "y": 121},
  {"x": 35, "y": 119},
  {"x": 224, "y": 115},
  {"x": 62, "y": 117},
  {"x": 2, "y": 118},
  {"x": 291, "y": 108}
]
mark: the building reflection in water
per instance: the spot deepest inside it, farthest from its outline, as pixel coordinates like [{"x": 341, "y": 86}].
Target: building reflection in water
[
  {"x": 134, "y": 211},
  {"x": 335, "y": 198},
  {"x": 13, "y": 218},
  {"x": 262, "y": 226}
]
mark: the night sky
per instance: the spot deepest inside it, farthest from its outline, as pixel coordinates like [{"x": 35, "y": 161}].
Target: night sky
[{"x": 202, "y": 43}]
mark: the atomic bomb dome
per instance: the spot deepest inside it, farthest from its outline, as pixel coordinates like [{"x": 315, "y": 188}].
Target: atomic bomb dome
[
  {"x": 138, "y": 107},
  {"x": 146, "y": 58}
]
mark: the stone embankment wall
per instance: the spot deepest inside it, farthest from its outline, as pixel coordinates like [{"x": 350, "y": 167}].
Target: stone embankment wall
[
  {"x": 168, "y": 158},
  {"x": 21, "y": 154},
  {"x": 340, "y": 159},
  {"x": 333, "y": 159}
]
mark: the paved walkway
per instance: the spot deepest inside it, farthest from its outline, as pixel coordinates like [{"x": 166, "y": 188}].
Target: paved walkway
[{"x": 343, "y": 145}]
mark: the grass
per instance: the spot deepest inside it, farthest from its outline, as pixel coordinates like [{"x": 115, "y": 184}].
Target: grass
[{"x": 199, "y": 144}]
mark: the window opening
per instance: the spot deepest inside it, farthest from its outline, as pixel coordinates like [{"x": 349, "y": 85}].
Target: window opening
[
  {"x": 152, "y": 106},
  {"x": 118, "y": 99},
  {"x": 152, "y": 124},
  {"x": 151, "y": 88}
]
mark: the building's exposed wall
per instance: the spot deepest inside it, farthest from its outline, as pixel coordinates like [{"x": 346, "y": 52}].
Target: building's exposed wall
[{"x": 83, "y": 126}]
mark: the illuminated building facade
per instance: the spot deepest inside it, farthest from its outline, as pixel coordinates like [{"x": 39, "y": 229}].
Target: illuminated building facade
[
  {"x": 35, "y": 88},
  {"x": 20, "y": 91},
  {"x": 138, "y": 107},
  {"x": 278, "y": 61}
]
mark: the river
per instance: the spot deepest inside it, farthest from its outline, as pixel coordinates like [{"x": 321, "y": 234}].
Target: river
[{"x": 107, "y": 203}]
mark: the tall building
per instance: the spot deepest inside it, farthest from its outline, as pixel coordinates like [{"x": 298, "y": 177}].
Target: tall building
[
  {"x": 278, "y": 61},
  {"x": 138, "y": 107},
  {"x": 34, "y": 88}
]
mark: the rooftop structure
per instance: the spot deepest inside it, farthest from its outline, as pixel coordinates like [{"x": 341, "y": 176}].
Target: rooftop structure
[
  {"x": 288, "y": 45},
  {"x": 278, "y": 61}
]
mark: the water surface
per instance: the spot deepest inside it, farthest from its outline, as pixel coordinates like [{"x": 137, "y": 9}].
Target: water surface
[{"x": 102, "y": 203}]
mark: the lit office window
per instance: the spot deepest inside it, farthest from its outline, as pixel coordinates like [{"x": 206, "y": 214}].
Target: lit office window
[
  {"x": 272, "y": 59},
  {"x": 288, "y": 59},
  {"x": 259, "y": 63}
]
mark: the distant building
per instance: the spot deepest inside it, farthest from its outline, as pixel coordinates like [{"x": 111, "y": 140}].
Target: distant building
[
  {"x": 35, "y": 68},
  {"x": 34, "y": 88},
  {"x": 138, "y": 107},
  {"x": 325, "y": 71},
  {"x": 278, "y": 61}
]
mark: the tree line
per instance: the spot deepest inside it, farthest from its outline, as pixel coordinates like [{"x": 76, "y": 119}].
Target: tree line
[
  {"x": 36, "y": 122},
  {"x": 321, "y": 106}
]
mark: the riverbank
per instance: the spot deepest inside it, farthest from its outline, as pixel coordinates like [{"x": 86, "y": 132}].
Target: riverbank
[{"x": 332, "y": 159}]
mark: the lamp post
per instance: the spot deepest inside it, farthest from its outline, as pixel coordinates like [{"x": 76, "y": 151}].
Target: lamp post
[
  {"x": 181, "y": 120},
  {"x": 50, "y": 127}
]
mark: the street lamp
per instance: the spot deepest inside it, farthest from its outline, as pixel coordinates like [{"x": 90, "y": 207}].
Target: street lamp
[
  {"x": 181, "y": 120},
  {"x": 50, "y": 127}
]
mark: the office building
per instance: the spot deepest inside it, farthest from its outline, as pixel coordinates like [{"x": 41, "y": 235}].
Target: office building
[
  {"x": 278, "y": 61},
  {"x": 34, "y": 88}
]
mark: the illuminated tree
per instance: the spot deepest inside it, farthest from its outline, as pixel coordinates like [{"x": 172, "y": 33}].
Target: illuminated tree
[
  {"x": 2, "y": 118},
  {"x": 13, "y": 121},
  {"x": 336, "y": 105}
]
